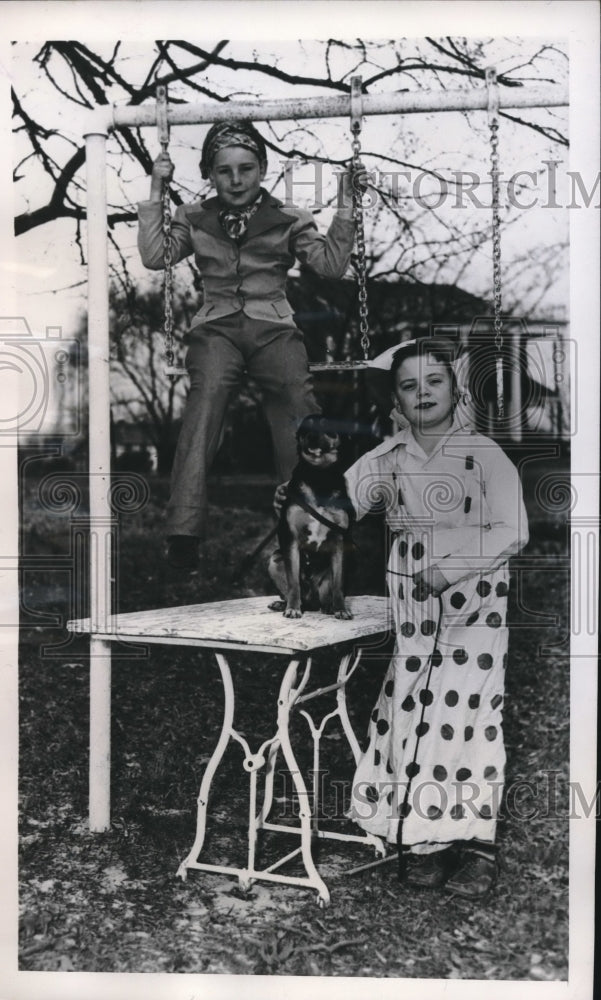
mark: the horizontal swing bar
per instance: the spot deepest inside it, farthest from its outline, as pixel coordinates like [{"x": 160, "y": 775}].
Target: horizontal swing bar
[
  {"x": 330, "y": 107},
  {"x": 403, "y": 103}
]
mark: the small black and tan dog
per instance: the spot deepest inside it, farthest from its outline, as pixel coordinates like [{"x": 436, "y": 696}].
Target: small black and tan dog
[{"x": 314, "y": 526}]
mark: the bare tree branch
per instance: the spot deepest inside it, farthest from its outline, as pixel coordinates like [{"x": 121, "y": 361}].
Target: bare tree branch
[{"x": 265, "y": 69}]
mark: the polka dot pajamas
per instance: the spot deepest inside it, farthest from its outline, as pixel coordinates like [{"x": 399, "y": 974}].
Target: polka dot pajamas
[
  {"x": 435, "y": 757},
  {"x": 438, "y": 718}
]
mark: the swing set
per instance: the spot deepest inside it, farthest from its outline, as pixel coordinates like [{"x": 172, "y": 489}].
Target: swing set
[
  {"x": 173, "y": 370},
  {"x": 102, "y": 626}
]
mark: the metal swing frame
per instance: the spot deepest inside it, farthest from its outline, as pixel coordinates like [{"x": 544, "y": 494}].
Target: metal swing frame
[
  {"x": 173, "y": 371},
  {"x": 102, "y": 121}
]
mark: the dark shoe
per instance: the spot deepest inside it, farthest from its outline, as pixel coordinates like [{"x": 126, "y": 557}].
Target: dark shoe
[
  {"x": 476, "y": 874},
  {"x": 182, "y": 551},
  {"x": 427, "y": 870}
]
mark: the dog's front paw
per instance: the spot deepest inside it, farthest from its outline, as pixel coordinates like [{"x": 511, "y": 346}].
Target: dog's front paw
[
  {"x": 277, "y": 605},
  {"x": 344, "y": 614},
  {"x": 293, "y": 613}
]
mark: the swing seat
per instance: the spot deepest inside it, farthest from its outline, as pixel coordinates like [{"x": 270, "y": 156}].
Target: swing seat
[
  {"x": 338, "y": 366},
  {"x": 174, "y": 371}
]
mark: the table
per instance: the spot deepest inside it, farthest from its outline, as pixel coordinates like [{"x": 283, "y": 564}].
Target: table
[{"x": 249, "y": 625}]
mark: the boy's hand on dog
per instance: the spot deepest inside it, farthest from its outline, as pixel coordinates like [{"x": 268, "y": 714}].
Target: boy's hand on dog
[
  {"x": 431, "y": 581},
  {"x": 279, "y": 498}
]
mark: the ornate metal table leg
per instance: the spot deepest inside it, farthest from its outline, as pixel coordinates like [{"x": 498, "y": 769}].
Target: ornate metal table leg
[
  {"x": 269, "y": 780},
  {"x": 343, "y": 676},
  {"x": 291, "y": 695},
  {"x": 286, "y": 701},
  {"x": 216, "y": 756},
  {"x": 340, "y": 712}
]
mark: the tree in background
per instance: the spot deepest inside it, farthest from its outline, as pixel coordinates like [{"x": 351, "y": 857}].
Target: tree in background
[
  {"x": 409, "y": 232},
  {"x": 427, "y": 262},
  {"x": 144, "y": 398},
  {"x": 140, "y": 390}
]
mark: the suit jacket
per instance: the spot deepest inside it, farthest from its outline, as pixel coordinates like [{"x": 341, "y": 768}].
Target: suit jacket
[{"x": 249, "y": 275}]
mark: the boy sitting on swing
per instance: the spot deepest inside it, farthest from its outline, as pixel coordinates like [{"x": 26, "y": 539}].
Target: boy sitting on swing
[{"x": 244, "y": 242}]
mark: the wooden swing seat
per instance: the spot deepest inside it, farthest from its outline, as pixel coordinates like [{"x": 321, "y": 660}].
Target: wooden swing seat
[
  {"x": 175, "y": 371},
  {"x": 338, "y": 366}
]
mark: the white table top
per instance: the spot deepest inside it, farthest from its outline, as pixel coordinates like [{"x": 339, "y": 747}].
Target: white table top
[{"x": 244, "y": 624}]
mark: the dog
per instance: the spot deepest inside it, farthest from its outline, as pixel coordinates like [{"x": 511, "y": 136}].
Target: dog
[{"x": 314, "y": 526}]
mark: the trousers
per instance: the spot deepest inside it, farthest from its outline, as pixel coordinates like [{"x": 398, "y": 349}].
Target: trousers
[{"x": 272, "y": 353}]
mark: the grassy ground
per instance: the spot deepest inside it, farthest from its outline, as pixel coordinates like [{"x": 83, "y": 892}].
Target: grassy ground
[{"x": 112, "y": 903}]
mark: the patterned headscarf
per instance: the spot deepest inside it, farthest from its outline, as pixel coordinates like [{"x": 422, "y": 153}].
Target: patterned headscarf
[{"x": 224, "y": 134}]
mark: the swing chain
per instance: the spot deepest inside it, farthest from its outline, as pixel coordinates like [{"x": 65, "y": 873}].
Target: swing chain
[
  {"x": 168, "y": 282},
  {"x": 493, "y": 122},
  {"x": 163, "y": 129},
  {"x": 361, "y": 265},
  {"x": 496, "y": 233}
]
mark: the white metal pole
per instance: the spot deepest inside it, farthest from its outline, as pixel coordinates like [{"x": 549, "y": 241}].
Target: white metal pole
[
  {"x": 100, "y": 467},
  {"x": 340, "y": 107},
  {"x": 515, "y": 416}
]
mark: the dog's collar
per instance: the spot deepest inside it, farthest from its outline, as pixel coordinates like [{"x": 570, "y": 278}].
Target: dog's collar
[{"x": 295, "y": 497}]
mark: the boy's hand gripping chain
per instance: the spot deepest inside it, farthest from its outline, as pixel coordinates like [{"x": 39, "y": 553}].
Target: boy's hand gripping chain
[{"x": 493, "y": 122}]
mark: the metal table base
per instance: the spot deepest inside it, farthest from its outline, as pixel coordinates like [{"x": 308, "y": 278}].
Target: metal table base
[{"x": 249, "y": 625}]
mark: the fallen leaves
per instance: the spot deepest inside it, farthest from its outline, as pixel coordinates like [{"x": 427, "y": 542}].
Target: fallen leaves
[{"x": 111, "y": 902}]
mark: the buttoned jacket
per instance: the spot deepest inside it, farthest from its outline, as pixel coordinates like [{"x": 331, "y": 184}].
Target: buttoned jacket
[{"x": 248, "y": 274}]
